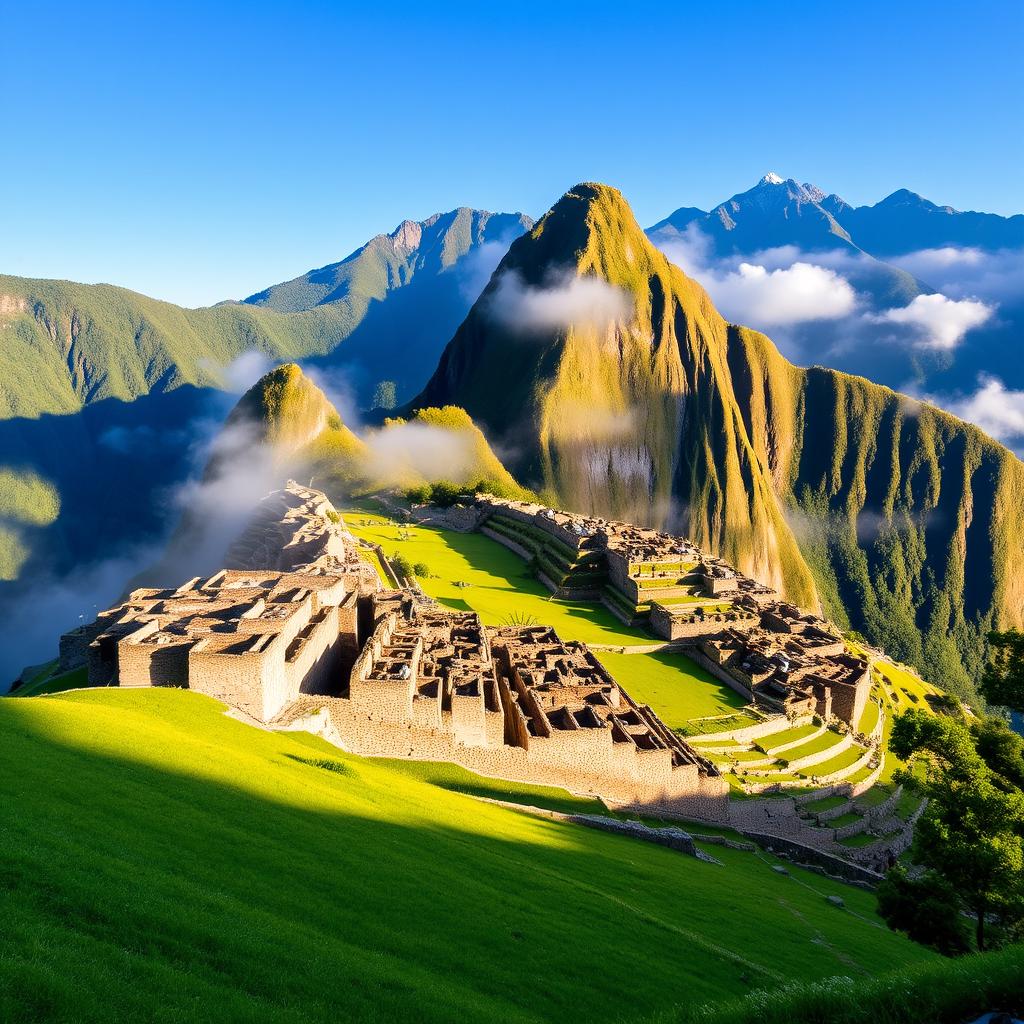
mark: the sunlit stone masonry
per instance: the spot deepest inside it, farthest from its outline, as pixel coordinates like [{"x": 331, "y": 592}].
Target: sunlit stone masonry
[
  {"x": 297, "y": 632},
  {"x": 777, "y": 656}
]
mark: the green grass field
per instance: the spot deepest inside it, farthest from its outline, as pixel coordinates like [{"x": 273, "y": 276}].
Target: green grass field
[
  {"x": 500, "y": 586},
  {"x": 678, "y": 689},
  {"x": 829, "y": 738},
  {"x": 164, "y": 862}
]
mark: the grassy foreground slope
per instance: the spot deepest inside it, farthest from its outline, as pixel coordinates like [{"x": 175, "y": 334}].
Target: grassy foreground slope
[{"x": 162, "y": 861}]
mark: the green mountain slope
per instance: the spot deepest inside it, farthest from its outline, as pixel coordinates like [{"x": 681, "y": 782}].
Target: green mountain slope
[
  {"x": 66, "y": 345},
  {"x": 288, "y": 415},
  {"x": 899, "y": 518},
  {"x": 403, "y": 294},
  {"x": 163, "y": 861},
  {"x": 391, "y": 261},
  {"x": 91, "y": 376}
]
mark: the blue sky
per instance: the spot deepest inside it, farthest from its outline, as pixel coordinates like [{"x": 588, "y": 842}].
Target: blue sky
[{"x": 200, "y": 152}]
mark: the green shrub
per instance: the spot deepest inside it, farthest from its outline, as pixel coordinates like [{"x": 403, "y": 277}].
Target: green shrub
[
  {"x": 419, "y": 495},
  {"x": 401, "y": 565}
]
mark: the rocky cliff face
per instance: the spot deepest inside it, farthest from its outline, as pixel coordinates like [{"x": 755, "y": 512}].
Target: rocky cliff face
[{"x": 617, "y": 388}]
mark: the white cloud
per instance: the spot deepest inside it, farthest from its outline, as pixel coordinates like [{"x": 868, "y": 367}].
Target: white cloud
[
  {"x": 689, "y": 249},
  {"x": 772, "y": 288},
  {"x": 965, "y": 272},
  {"x": 802, "y": 292},
  {"x": 433, "y": 452},
  {"x": 242, "y": 372},
  {"x": 474, "y": 270},
  {"x": 566, "y": 300},
  {"x": 994, "y": 407},
  {"x": 937, "y": 321}
]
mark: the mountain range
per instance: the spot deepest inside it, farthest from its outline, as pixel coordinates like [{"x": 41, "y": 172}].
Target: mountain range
[
  {"x": 629, "y": 395},
  {"x": 781, "y": 211},
  {"x": 874, "y": 261},
  {"x": 901, "y": 520}
]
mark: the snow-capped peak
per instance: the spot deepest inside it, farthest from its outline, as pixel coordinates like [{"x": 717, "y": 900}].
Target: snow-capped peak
[{"x": 771, "y": 178}]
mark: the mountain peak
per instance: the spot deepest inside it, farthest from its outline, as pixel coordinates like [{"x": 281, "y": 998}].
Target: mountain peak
[
  {"x": 285, "y": 408},
  {"x": 771, "y": 178},
  {"x": 407, "y": 235},
  {"x": 904, "y": 197}
]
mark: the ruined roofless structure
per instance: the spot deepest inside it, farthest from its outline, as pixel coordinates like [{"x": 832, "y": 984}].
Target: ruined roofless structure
[
  {"x": 255, "y": 637},
  {"x": 510, "y": 702},
  {"x": 774, "y": 654},
  {"x": 309, "y": 640}
]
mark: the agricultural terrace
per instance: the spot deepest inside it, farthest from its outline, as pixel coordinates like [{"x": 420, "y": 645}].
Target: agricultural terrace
[{"x": 471, "y": 571}]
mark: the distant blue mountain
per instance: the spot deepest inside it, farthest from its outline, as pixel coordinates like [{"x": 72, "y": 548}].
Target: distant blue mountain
[{"x": 401, "y": 296}]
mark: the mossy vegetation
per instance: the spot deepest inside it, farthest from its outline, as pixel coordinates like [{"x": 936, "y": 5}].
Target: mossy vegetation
[{"x": 469, "y": 570}]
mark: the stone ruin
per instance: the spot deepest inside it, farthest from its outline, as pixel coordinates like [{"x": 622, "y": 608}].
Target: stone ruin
[
  {"x": 297, "y": 631},
  {"x": 773, "y": 654}
]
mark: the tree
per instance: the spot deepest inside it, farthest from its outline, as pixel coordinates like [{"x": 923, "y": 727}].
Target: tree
[
  {"x": 419, "y": 495},
  {"x": 971, "y": 835},
  {"x": 1003, "y": 680},
  {"x": 1002, "y": 750},
  {"x": 401, "y": 565},
  {"x": 385, "y": 395},
  {"x": 445, "y": 493},
  {"x": 925, "y": 909},
  {"x": 422, "y": 570}
]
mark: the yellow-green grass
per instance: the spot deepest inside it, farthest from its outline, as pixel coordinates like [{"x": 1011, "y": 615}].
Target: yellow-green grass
[
  {"x": 676, "y": 687},
  {"x": 844, "y": 819},
  {"x": 862, "y": 773},
  {"x": 875, "y": 795},
  {"x": 778, "y": 739},
  {"x": 162, "y": 861},
  {"x": 371, "y": 556},
  {"x": 500, "y": 585},
  {"x": 456, "y": 779},
  {"x": 698, "y": 727},
  {"x": 941, "y": 992},
  {"x": 833, "y": 764},
  {"x": 51, "y": 680},
  {"x": 738, "y": 755},
  {"x": 829, "y": 738},
  {"x": 825, "y": 804},
  {"x": 863, "y": 839},
  {"x": 869, "y": 718}
]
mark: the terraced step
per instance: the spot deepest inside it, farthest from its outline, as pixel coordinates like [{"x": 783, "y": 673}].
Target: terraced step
[
  {"x": 819, "y": 755},
  {"x": 794, "y": 738}
]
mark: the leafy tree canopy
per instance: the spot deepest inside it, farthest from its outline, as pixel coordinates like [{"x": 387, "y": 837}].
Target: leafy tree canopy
[
  {"x": 1003, "y": 680},
  {"x": 971, "y": 835}
]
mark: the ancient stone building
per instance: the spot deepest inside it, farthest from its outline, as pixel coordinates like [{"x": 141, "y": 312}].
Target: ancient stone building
[
  {"x": 297, "y": 632},
  {"x": 641, "y": 575},
  {"x": 777, "y": 655},
  {"x": 255, "y": 640},
  {"x": 792, "y": 663},
  {"x": 252, "y": 636},
  {"x": 511, "y": 702}
]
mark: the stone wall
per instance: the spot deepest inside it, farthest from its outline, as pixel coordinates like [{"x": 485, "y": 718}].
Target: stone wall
[
  {"x": 801, "y": 854},
  {"x": 647, "y": 788}
]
